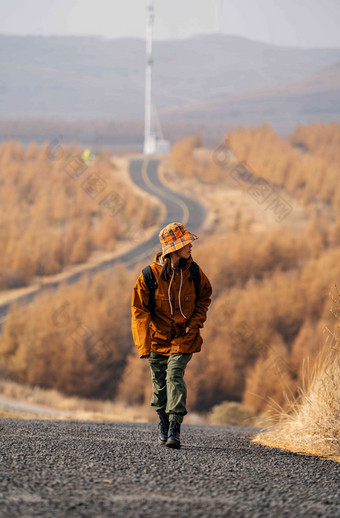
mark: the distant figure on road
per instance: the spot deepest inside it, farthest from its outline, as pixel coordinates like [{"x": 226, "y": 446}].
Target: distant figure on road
[{"x": 169, "y": 305}]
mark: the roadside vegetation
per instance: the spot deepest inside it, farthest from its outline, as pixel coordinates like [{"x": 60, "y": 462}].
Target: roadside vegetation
[
  {"x": 311, "y": 423},
  {"x": 37, "y": 402}
]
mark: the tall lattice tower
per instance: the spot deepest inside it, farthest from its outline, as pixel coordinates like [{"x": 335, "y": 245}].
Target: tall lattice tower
[
  {"x": 153, "y": 137},
  {"x": 149, "y": 136}
]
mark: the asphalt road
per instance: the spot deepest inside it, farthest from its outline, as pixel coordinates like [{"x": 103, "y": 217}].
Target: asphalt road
[
  {"x": 100, "y": 469},
  {"x": 144, "y": 172}
]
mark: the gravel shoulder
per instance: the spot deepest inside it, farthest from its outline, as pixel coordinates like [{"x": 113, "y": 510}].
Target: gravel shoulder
[{"x": 80, "y": 468}]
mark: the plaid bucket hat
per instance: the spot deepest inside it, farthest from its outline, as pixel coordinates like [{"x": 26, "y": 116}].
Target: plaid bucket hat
[{"x": 174, "y": 236}]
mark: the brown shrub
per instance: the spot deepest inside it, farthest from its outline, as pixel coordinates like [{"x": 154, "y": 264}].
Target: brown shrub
[{"x": 75, "y": 341}]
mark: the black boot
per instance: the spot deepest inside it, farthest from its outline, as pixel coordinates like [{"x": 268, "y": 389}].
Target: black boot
[
  {"x": 173, "y": 435},
  {"x": 163, "y": 427}
]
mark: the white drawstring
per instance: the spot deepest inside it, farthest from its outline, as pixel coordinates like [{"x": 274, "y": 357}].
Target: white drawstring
[
  {"x": 173, "y": 273},
  {"x": 179, "y": 297},
  {"x": 179, "y": 294}
]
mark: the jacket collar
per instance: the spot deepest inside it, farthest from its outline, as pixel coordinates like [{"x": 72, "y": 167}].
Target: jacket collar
[{"x": 158, "y": 261}]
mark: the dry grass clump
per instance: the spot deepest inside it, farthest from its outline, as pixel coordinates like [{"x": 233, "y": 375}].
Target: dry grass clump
[{"x": 312, "y": 423}]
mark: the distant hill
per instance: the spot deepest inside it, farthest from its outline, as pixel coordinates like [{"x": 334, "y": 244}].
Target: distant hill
[
  {"x": 206, "y": 79},
  {"x": 92, "y": 77},
  {"x": 315, "y": 98}
]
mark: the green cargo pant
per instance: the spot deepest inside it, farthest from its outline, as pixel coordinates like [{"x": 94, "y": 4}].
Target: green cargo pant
[{"x": 168, "y": 386}]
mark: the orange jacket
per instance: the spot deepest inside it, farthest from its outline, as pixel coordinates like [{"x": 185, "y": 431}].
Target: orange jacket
[{"x": 164, "y": 332}]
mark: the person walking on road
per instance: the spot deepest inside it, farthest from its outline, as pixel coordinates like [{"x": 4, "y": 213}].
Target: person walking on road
[{"x": 169, "y": 305}]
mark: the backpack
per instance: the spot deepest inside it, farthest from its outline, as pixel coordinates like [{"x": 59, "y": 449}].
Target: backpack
[{"x": 152, "y": 285}]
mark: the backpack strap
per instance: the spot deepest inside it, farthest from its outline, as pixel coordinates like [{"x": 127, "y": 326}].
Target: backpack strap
[
  {"x": 196, "y": 277},
  {"x": 152, "y": 285}
]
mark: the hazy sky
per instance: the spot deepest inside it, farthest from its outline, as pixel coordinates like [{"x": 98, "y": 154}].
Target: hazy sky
[{"x": 304, "y": 23}]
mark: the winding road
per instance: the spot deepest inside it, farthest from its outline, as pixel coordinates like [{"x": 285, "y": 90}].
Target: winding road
[
  {"x": 144, "y": 172},
  {"x": 178, "y": 207}
]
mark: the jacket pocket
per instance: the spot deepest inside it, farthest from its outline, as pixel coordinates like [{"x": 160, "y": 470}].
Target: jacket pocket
[
  {"x": 191, "y": 342},
  {"x": 161, "y": 303}
]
